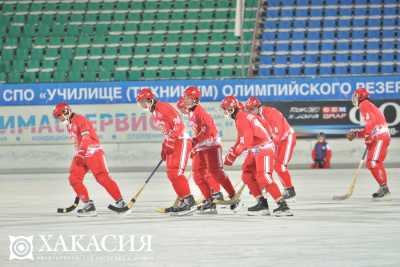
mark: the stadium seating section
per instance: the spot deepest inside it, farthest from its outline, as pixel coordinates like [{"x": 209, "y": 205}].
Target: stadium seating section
[
  {"x": 81, "y": 40},
  {"x": 118, "y": 40},
  {"x": 330, "y": 37}
]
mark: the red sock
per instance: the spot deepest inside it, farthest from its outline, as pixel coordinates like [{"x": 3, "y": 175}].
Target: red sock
[
  {"x": 251, "y": 184},
  {"x": 274, "y": 191},
  {"x": 199, "y": 179},
  {"x": 284, "y": 176},
  {"x": 225, "y": 182},
  {"x": 81, "y": 191},
  {"x": 179, "y": 183},
  {"x": 379, "y": 174}
]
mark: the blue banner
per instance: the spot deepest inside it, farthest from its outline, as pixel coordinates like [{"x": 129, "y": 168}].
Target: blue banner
[{"x": 269, "y": 90}]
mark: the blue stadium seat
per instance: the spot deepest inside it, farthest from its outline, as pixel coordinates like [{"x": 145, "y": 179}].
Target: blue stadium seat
[
  {"x": 327, "y": 46},
  {"x": 316, "y": 12},
  {"x": 314, "y": 24},
  {"x": 389, "y": 11},
  {"x": 269, "y": 24},
  {"x": 373, "y": 34},
  {"x": 358, "y": 22},
  {"x": 272, "y": 13},
  {"x": 342, "y": 58},
  {"x": 356, "y": 57},
  {"x": 281, "y": 59},
  {"x": 389, "y": 22},
  {"x": 341, "y": 70},
  {"x": 358, "y": 34},
  {"x": 279, "y": 71},
  {"x": 373, "y": 22},
  {"x": 371, "y": 69},
  {"x": 282, "y": 47},
  {"x": 267, "y": 47},
  {"x": 266, "y": 60},
  {"x": 296, "y": 59},
  {"x": 283, "y": 35},
  {"x": 325, "y": 70},
  {"x": 312, "y": 46},
  {"x": 332, "y": 2},
  {"x": 356, "y": 69},
  {"x": 301, "y": 12},
  {"x": 360, "y": 11},
  {"x": 326, "y": 58},
  {"x": 310, "y": 71},
  {"x": 387, "y": 69},
  {"x": 344, "y": 23},
  {"x": 388, "y": 34},
  {"x": 371, "y": 57},
  {"x": 297, "y": 47},
  {"x": 264, "y": 72},
  {"x": 317, "y": 2},
  {"x": 284, "y": 24},
  {"x": 295, "y": 71},
  {"x": 345, "y": 11},
  {"x": 372, "y": 45},
  {"x": 287, "y": 12},
  {"x": 375, "y": 11},
  {"x": 328, "y": 35},
  {"x": 299, "y": 24},
  {"x": 343, "y": 34},
  {"x": 342, "y": 46},
  {"x": 388, "y": 57},
  {"x": 330, "y": 12},
  {"x": 302, "y": 2},
  {"x": 310, "y": 59},
  {"x": 329, "y": 23},
  {"x": 268, "y": 36},
  {"x": 313, "y": 36},
  {"x": 298, "y": 35},
  {"x": 388, "y": 45},
  {"x": 357, "y": 45}
]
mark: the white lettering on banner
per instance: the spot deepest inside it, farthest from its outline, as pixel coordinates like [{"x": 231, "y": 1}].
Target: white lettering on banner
[
  {"x": 380, "y": 87},
  {"x": 18, "y": 95},
  {"x": 227, "y": 90},
  {"x": 345, "y": 88},
  {"x": 83, "y": 93}
]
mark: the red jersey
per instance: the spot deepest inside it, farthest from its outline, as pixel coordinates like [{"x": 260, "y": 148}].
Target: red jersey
[
  {"x": 168, "y": 120},
  {"x": 205, "y": 133},
  {"x": 84, "y": 134},
  {"x": 375, "y": 122},
  {"x": 276, "y": 123},
  {"x": 251, "y": 132}
]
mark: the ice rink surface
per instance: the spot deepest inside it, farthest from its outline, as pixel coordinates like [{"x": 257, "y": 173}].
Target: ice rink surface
[{"x": 355, "y": 232}]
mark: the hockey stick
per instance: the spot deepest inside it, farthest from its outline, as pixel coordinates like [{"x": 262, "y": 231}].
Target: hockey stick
[
  {"x": 70, "y": 208},
  {"x": 133, "y": 199},
  {"x": 353, "y": 181},
  {"x": 233, "y": 200}
]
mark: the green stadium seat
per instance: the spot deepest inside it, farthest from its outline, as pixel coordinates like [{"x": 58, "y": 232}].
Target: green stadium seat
[
  {"x": 134, "y": 75},
  {"x": 45, "y": 77}
]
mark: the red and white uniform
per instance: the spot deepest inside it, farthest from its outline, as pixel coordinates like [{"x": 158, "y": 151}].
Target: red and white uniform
[
  {"x": 284, "y": 138},
  {"x": 207, "y": 163},
  {"x": 257, "y": 168},
  {"x": 377, "y": 139},
  {"x": 89, "y": 155},
  {"x": 176, "y": 146}
]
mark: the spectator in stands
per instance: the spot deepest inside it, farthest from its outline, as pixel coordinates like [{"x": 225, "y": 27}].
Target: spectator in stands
[{"x": 321, "y": 153}]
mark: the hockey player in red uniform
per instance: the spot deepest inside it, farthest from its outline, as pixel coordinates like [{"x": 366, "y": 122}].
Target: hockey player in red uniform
[
  {"x": 89, "y": 156},
  {"x": 376, "y": 136},
  {"x": 283, "y": 136},
  {"x": 175, "y": 147},
  {"x": 257, "y": 168},
  {"x": 207, "y": 163}
]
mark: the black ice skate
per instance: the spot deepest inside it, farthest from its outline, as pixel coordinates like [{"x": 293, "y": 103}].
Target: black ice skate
[
  {"x": 187, "y": 206},
  {"x": 382, "y": 193},
  {"x": 207, "y": 207},
  {"x": 88, "y": 210},
  {"x": 282, "y": 209},
  {"x": 289, "y": 193},
  {"x": 119, "y": 204},
  {"x": 218, "y": 196},
  {"x": 261, "y": 208}
]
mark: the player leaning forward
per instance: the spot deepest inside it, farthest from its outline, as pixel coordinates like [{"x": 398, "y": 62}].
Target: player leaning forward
[
  {"x": 377, "y": 139},
  {"x": 259, "y": 163},
  {"x": 175, "y": 147},
  {"x": 207, "y": 164},
  {"x": 89, "y": 155}
]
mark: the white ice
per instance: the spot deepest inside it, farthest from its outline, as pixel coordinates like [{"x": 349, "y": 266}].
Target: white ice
[{"x": 323, "y": 232}]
